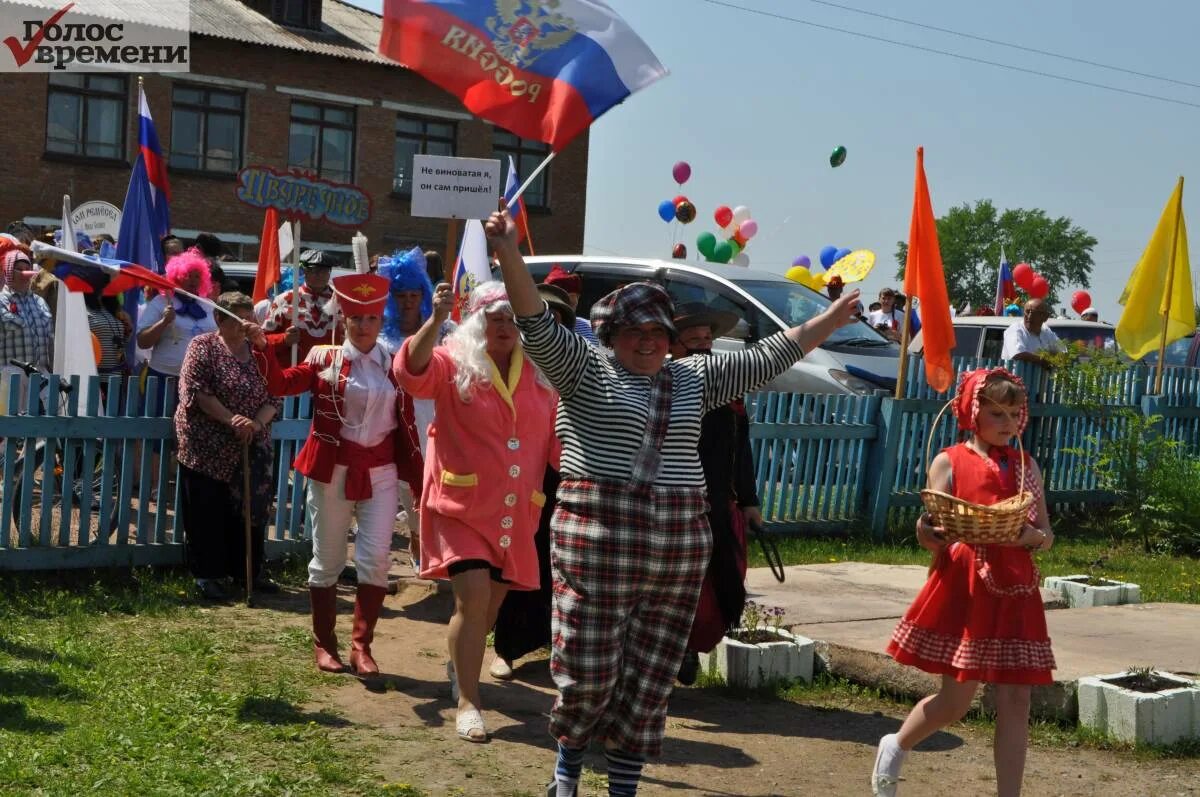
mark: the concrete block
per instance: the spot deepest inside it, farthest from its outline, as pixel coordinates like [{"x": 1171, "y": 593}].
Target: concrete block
[
  {"x": 1079, "y": 593},
  {"x": 752, "y": 666},
  {"x": 1161, "y": 717}
]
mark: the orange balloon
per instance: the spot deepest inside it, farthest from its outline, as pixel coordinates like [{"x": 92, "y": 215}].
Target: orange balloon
[{"x": 97, "y": 352}]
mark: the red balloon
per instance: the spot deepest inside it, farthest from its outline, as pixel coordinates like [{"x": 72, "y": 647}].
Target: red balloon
[
  {"x": 1023, "y": 275},
  {"x": 1080, "y": 301},
  {"x": 722, "y": 216},
  {"x": 679, "y": 199},
  {"x": 1039, "y": 287},
  {"x": 679, "y": 252}
]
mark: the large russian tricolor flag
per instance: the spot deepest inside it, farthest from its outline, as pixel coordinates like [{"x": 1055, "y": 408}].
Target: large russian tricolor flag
[
  {"x": 544, "y": 73},
  {"x": 156, "y": 168}
]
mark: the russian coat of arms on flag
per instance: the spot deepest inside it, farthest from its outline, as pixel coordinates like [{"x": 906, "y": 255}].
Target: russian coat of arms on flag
[{"x": 542, "y": 69}]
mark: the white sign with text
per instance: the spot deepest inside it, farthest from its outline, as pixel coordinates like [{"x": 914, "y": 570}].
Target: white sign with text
[
  {"x": 97, "y": 218},
  {"x": 455, "y": 188}
]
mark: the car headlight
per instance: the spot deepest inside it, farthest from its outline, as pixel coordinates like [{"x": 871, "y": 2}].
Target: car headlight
[{"x": 853, "y": 383}]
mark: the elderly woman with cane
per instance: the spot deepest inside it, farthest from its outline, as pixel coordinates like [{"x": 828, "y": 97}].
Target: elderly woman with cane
[
  {"x": 488, "y": 447},
  {"x": 224, "y": 407},
  {"x": 630, "y": 539},
  {"x": 362, "y": 441}
]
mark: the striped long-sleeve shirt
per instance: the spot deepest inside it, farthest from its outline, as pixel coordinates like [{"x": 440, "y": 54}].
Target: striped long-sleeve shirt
[{"x": 603, "y": 407}]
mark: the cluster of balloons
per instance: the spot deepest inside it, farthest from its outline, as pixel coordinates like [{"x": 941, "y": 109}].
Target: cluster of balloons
[
  {"x": 680, "y": 208},
  {"x": 736, "y": 229},
  {"x": 1034, "y": 284},
  {"x": 1080, "y": 301},
  {"x": 802, "y": 270}
]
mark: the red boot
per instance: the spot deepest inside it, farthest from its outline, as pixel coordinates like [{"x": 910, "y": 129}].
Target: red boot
[
  {"x": 324, "y": 620},
  {"x": 367, "y": 604}
]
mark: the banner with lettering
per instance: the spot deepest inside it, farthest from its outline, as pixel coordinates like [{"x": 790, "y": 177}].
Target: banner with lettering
[
  {"x": 544, "y": 71},
  {"x": 303, "y": 196}
]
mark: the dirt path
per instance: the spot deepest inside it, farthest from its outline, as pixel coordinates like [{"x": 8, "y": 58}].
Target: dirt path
[{"x": 715, "y": 745}]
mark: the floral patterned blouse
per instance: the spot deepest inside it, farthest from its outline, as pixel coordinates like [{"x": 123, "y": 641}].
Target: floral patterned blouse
[{"x": 205, "y": 444}]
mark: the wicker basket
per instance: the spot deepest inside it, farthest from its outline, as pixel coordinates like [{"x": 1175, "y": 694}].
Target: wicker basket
[{"x": 980, "y": 524}]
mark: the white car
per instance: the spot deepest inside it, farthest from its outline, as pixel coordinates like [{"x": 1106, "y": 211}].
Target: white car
[
  {"x": 854, "y": 360},
  {"x": 983, "y": 335}
]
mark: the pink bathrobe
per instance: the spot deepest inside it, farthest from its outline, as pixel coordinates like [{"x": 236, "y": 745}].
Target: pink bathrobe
[{"x": 483, "y": 467}]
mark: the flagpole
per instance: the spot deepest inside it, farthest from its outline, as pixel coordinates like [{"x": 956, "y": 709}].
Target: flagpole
[
  {"x": 295, "y": 287},
  {"x": 450, "y": 261},
  {"x": 902, "y": 373},
  {"x": 1162, "y": 343},
  {"x": 529, "y": 180}
]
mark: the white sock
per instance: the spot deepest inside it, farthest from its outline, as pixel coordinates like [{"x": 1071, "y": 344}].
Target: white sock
[{"x": 891, "y": 756}]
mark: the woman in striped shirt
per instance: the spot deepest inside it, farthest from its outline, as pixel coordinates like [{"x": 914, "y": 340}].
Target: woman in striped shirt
[{"x": 630, "y": 539}]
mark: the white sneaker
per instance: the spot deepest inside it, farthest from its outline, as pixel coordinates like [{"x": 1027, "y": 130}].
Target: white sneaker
[
  {"x": 885, "y": 775},
  {"x": 453, "y": 681}
]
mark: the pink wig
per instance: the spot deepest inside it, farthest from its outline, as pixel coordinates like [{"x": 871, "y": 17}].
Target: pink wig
[{"x": 186, "y": 262}]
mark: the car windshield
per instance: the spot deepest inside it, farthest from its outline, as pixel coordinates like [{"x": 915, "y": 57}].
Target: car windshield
[
  {"x": 796, "y": 304},
  {"x": 1097, "y": 337}
]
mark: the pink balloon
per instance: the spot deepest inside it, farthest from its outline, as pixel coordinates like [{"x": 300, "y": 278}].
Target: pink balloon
[
  {"x": 748, "y": 229},
  {"x": 682, "y": 172}
]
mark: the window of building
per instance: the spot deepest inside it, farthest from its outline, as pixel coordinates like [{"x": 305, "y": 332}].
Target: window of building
[
  {"x": 206, "y": 129},
  {"x": 418, "y": 136},
  {"x": 85, "y": 115},
  {"x": 322, "y": 140},
  {"x": 527, "y": 155}
]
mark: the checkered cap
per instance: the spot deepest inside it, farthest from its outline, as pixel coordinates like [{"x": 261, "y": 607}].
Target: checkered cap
[{"x": 634, "y": 304}]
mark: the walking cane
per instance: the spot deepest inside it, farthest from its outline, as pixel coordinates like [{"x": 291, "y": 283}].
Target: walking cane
[{"x": 246, "y": 519}]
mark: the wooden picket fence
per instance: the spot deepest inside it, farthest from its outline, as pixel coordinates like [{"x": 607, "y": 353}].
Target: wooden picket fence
[
  {"x": 76, "y": 468},
  {"x": 89, "y": 479}
]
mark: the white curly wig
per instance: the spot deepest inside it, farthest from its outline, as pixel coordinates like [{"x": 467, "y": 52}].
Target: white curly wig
[{"x": 467, "y": 345}]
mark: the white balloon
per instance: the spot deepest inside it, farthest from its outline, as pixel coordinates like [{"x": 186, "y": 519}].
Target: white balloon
[
  {"x": 740, "y": 213},
  {"x": 742, "y": 260}
]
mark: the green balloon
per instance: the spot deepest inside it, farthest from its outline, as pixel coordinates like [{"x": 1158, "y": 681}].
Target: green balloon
[
  {"x": 723, "y": 253},
  {"x": 735, "y": 247},
  {"x": 705, "y": 243},
  {"x": 838, "y": 157}
]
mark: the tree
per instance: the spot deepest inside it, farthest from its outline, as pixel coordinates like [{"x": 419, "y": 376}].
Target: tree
[{"x": 970, "y": 239}]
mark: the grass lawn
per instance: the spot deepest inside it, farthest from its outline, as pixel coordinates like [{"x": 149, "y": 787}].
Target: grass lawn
[
  {"x": 1163, "y": 578},
  {"x": 121, "y": 685}
]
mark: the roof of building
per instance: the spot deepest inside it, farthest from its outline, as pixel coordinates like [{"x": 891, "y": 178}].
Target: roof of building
[{"x": 346, "y": 31}]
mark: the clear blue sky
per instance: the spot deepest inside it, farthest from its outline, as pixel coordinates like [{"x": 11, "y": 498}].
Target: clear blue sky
[{"x": 756, "y": 105}]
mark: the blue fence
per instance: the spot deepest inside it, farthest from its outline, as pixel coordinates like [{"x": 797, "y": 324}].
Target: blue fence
[{"x": 89, "y": 479}]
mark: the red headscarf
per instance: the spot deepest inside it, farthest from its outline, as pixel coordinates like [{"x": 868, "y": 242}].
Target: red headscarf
[{"x": 966, "y": 399}]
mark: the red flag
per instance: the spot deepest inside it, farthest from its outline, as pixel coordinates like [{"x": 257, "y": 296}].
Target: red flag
[
  {"x": 268, "y": 256},
  {"x": 925, "y": 280}
]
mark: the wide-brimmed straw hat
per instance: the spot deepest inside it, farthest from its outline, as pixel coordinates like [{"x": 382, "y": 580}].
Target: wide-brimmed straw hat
[
  {"x": 698, "y": 314},
  {"x": 558, "y": 300}
]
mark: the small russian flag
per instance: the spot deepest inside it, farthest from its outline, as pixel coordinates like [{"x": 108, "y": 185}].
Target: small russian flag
[{"x": 156, "y": 168}]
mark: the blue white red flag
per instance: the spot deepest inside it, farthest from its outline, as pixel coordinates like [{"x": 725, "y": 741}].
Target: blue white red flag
[
  {"x": 91, "y": 274},
  {"x": 473, "y": 267},
  {"x": 156, "y": 169},
  {"x": 544, "y": 71},
  {"x": 511, "y": 186},
  {"x": 1006, "y": 292}
]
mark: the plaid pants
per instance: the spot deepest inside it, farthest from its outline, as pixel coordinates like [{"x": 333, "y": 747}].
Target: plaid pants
[{"x": 628, "y": 563}]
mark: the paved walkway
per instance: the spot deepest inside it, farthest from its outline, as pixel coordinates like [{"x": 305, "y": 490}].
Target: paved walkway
[{"x": 850, "y": 608}]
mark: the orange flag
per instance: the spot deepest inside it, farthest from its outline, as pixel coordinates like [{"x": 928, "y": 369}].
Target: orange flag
[
  {"x": 268, "y": 256},
  {"x": 924, "y": 279}
]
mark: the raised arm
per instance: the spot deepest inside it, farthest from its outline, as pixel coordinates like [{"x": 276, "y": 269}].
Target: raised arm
[
  {"x": 522, "y": 292},
  {"x": 420, "y": 346},
  {"x": 730, "y": 376},
  {"x": 292, "y": 381}
]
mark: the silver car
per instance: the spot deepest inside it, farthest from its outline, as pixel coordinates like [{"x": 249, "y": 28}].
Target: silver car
[{"x": 855, "y": 360}]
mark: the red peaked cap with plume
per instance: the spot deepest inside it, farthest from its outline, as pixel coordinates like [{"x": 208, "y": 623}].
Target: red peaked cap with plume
[{"x": 561, "y": 278}]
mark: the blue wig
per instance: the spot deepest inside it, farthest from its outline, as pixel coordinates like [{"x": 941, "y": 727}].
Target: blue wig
[{"x": 405, "y": 271}]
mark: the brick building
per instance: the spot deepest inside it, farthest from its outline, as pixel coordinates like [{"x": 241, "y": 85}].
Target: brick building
[{"x": 281, "y": 83}]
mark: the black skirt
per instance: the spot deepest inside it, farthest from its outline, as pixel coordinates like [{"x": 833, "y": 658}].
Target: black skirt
[{"x": 523, "y": 624}]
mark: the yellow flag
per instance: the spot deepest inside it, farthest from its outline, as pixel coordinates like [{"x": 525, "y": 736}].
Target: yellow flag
[{"x": 1160, "y": 286}]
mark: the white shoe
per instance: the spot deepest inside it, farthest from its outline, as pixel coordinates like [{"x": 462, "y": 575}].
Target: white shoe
[
  {"x": 453, "y": 681},
  {"x": 501, "y": 670},
  {"x": 885, "y": 783},
  {"x": 469, "y": 725}
]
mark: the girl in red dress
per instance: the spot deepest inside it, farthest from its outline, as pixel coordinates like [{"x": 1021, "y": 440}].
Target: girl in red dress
[{"x": 979, "y": 617}]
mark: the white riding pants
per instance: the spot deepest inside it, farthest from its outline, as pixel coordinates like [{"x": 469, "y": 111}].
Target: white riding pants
[{"x": 330, "y": 515}]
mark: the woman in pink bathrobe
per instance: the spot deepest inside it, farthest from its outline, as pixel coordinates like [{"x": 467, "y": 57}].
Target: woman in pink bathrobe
[{"x": 489, "y": 444}]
